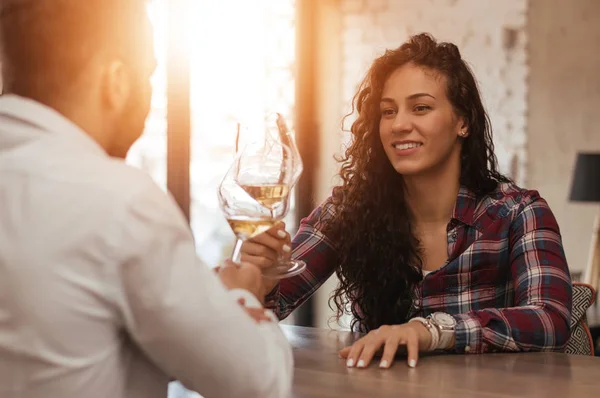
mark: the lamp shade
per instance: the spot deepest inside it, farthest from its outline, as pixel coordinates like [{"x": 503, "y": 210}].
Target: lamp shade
[{"x": 585, "y": 186}]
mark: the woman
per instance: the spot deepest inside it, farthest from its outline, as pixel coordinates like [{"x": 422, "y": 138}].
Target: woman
[{"x": 433, "y": 247}]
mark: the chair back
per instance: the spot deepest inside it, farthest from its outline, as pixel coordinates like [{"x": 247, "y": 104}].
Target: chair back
[{"x": 581, "y": 342}]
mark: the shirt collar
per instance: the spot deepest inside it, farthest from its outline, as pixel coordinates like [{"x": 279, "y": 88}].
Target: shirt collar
[
  {"x": 46, "y": 119},
  {"x": 465, "y": 207}
]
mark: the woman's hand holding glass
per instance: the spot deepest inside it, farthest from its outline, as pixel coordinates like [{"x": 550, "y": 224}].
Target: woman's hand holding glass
[{"x": 267, "y": 249}]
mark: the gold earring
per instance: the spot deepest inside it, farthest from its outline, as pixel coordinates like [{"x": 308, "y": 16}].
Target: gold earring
[{"x": 463, "y": 133}]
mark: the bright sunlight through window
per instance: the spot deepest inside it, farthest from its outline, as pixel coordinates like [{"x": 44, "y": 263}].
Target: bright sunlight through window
[{"x": 242, "y": 57}]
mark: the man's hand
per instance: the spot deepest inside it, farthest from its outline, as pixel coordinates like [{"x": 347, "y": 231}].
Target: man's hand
[
  {"x": 258, "y": 314},
  {"x": 243, "y": 276}
]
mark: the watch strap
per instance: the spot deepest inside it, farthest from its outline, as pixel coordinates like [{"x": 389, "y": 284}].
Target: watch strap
[
  {"x": 445, "y": 334},
  {"x": 434, "y": 331}
]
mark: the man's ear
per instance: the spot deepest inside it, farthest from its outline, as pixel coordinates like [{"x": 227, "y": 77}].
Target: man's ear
[{"x": 116, "y": 86}]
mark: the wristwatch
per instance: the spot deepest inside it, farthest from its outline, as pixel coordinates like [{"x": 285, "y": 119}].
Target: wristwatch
[{"x": 446, "y": 325}]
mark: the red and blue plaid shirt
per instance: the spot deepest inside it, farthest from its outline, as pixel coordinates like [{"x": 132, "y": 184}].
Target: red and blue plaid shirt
[{"x": 506, "y": 280}]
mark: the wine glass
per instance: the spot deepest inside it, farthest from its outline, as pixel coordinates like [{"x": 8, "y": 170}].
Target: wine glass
[
  {"x": 278, "y": 130},
  {"x": 254, "y": 193}
]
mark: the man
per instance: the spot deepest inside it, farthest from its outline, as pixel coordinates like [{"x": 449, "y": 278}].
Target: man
[{"x": 101, "y": 294}]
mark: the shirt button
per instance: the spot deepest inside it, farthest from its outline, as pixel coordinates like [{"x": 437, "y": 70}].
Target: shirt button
[{"x": 467, "y": 349}]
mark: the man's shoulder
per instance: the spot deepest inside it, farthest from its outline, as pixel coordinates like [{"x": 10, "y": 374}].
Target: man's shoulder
[
  {"x": 105, "y": 178},
  {"x": 98, "y": 180},
  {"x": 117, "y": 179}
]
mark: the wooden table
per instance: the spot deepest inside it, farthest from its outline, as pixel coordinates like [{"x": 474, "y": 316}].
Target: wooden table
[{"x": 319, "y": 372}]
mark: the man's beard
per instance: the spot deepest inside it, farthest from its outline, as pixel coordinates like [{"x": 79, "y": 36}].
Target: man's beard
[{"x": 131, "y": 124}]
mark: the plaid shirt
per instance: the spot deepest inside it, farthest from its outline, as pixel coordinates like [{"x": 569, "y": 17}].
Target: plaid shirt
[{"x": 506, "y": 280}]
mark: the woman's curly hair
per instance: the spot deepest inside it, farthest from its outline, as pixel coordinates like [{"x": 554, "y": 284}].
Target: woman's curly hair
[{"x": 379, "y": 260}]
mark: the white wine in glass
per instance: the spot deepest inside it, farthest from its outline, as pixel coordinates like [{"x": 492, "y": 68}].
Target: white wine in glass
[
  {"x": 281, "y": 133},
  {"x": 268, "y": 195},
  {"x": 253, "y": 193},
  {"x": 265, "y": 171},
  {"x": 245, "y": 227}
]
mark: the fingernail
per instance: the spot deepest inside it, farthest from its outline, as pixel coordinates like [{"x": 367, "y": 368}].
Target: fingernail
[
  {"x": 412, "y": 363},
  {"x": 350, "y": 363},
  {"x": 383, "y": 364},
  {"x": 287, "y": 248},
  {"x": 281, "y": 233},
  {"x": 361, "y": 364}
]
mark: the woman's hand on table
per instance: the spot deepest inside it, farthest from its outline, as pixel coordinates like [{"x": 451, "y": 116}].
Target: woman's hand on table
[{"x": 414, "y": 336}]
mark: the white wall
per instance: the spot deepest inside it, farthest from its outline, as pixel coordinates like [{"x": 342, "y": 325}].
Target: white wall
[
  {"x": 490, "y": 35},
  {"x": 564, "y": 116}
]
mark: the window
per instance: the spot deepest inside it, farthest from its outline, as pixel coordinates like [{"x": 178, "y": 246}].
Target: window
[
  {"x": 150, "y": 152},
  {"x": 242, "y": 57}
]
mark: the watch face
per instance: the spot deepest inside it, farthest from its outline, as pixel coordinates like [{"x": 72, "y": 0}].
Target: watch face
[{"x": 444, "y": 319}]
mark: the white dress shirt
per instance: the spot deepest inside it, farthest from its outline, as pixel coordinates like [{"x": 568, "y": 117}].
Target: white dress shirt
[{"x": 101, "y": 292}]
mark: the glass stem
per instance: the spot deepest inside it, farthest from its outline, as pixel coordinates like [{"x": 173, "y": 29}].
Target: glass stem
[
  {"x": 280, "y": 256},
  {"x": 236, "y": 256},
  {"x": 280, "y": 259}
]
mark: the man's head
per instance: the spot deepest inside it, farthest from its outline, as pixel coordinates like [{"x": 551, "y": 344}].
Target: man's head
[{"x": 89, "y": 59}]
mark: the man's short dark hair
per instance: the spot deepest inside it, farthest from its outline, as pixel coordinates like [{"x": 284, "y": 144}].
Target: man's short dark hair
[{"x": 45, "y": 45}]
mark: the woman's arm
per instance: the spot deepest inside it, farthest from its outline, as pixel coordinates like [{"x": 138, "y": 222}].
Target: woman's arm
[
  {"x": 538, "y": 321},
  {"x": 313, "y": 247},
  {"x": 540, "y": 318}
]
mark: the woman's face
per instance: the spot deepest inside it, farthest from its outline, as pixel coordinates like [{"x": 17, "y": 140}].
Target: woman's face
[{"x": 419, "y": 129}]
